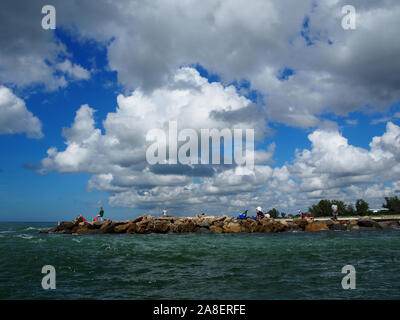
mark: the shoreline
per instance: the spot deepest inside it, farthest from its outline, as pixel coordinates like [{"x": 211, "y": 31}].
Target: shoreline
[{"x": 221, "y": 224}]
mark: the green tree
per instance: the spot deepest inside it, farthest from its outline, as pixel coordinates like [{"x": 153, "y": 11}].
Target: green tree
[
  {"x": 393, "y": 204},
  {"x": 283, "y": 214},
  {"x": 362, "y": 207},
  {"x": 273, "y": 213},
  {"x": 350, "y": 211},
  {"x": 324, "y": 208}
]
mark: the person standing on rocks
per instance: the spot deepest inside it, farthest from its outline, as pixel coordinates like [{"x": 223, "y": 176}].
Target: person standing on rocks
[
  {"x": 335, "y": 211},
  {"x": 101, "y": 213}
]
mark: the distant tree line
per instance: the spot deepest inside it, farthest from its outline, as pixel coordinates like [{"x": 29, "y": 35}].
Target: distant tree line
[{"x": 361, "y": 208}]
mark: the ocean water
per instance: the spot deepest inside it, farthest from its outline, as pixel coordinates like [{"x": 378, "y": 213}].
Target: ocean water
[{"x": 198, "y": 266}]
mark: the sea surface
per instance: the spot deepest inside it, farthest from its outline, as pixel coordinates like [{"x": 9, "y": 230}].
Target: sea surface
[{"x": 198, "y": 266}]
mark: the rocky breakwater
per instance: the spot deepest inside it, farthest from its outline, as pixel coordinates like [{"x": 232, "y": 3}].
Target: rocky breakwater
[{"x": 210, "y": 224}]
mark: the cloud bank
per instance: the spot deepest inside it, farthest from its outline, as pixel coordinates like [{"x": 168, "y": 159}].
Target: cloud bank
[{"x": 116, "y": 159}]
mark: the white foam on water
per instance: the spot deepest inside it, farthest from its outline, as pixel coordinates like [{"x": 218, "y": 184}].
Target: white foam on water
[
  {"x": 24, "y": 236},
  {"x": 30, "y": 228}
]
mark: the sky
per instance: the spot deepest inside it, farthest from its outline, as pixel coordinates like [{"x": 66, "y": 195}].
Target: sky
[{"x": 77, "y": 102}]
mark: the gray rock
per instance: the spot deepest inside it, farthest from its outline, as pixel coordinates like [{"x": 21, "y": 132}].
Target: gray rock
[
  {"x": 368, "y": 223},
  {"x": 204, "y": 230},
  {"x": 204, "y": 224},
  {"x": 339, "y": 226},
  {"x": 389, "y": 225},
  {"x": 329, "y": 223}
]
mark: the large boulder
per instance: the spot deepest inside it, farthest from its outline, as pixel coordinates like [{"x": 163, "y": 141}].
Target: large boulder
[
  {"x": 138, "y": 219},
  {"x": 203, "y": 230},
  {"x": 299, "y": 224},
  {"x": 271, "y": 225},
  {"x": 53, "y": 230},
  {"x": 232, "y": 227},
  {"x": 65, "y": 226},
  {"x": 106, "y": 224},
  {"x": 265, "y": 225},
  {"x": 107, "y": 227},
  {"x": 96, "y": 224},
  {"x": 330, "y": 223},
  {"x": 388, "y": 225},
  {"x": 217, "y": 220},
  {"x": 339, "y": 226},
  {"x": 81, "y": 229},
  {"x": 368, "y": 223},
  {"x": 122, "y": 228},
  {"x": 188, "y": 226},
  {"x": 204, "y": 224},
  {"x": 145, "y": 226},
  {"x": 176, "y": 226},
  {"x": 353, "y": 227},
  {"x": 280, "y": 226},
  {"x": 161, "y": 226},
  {"x": 132, "y": 228},
  {"x": 80, "y": 226},
  {"x": 65, "y": 231},
  {"x": 248, "y": 225},
  {"x": 216, "y": 229},
  {"x": 316, "y": 226}
]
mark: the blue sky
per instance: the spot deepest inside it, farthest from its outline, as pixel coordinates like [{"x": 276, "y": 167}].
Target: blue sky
[{"x": 297, "y": 103}]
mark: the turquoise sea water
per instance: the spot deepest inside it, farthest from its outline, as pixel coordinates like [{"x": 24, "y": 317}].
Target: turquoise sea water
[{"x": 198, "y": 266}]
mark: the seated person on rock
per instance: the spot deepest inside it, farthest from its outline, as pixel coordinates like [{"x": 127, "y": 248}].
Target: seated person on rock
[
  {"x": 243, "y": 215},
  {"x": 260, "y": 214},
  {"x": 80, "y": 218}
]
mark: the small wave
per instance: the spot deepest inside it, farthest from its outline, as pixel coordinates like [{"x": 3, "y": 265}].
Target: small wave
[
  {"x": 7, "y": 231},
  {"x": 30, "y": 228},
  {"x": 24, "y": 236},
  {"x": 106, "y": 247}
]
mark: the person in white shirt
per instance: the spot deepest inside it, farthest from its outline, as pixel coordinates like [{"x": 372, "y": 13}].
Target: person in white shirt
[{"x": 335, "y": 211}]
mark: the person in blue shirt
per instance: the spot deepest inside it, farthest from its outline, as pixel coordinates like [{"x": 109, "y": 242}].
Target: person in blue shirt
[{"x": 243, "y": 215}]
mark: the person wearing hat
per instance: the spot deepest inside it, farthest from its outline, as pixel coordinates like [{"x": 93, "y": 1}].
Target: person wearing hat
[{"x": 260, "y": 214}]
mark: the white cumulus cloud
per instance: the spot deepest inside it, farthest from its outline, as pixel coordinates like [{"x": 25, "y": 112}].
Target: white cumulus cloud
[{"x": 15, "y": 117}]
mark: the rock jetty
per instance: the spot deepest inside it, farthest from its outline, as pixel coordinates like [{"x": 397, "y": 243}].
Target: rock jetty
[{"x": 217, "y": 224}]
